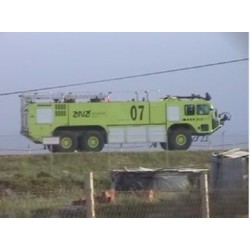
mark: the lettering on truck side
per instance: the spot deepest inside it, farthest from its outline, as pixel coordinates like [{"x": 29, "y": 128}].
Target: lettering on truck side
[{"x": 84, "y": 113}]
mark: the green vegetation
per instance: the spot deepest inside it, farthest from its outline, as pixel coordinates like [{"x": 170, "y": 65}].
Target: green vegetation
[
  {"x": 39, "y": 173},
  {"x": 39, "y": 185}
]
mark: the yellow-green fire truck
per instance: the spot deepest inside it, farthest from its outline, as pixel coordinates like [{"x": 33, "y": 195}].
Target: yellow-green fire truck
[{"x": 88, "y": 122}]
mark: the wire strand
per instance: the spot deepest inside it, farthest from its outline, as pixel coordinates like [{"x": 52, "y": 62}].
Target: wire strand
[{"x": 126, "y": 77}]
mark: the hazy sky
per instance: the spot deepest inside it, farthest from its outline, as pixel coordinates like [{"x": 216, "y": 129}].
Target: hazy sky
[{"x": 37, "y": 60}]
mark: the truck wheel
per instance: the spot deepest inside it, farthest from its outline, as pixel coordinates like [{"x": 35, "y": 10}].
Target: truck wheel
[
  {"x": 179, "y": 139},
  {"x": 93, "y": 141},
  {"x": 68, "y": 142}
]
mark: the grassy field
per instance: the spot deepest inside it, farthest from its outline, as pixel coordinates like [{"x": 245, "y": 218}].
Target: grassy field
[
  {"x": 37, "y": 185},
  {"x": 31, "y": 173}
]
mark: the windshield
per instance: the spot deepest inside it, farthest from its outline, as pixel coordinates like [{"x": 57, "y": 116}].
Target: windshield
[{"x": 203, "y": 109}]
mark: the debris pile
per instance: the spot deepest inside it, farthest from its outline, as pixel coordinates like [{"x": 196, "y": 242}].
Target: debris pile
[{"x": 106, "y": 196}]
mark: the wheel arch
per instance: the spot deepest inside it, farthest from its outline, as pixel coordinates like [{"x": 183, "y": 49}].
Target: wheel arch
[
  {"x": 182, "y": 126},
  {"x": 79, "y": 130}
]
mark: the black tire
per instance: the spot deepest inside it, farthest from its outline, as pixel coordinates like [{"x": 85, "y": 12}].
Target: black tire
[
  {"x": 68, "y": 142},
  {"x": 93, "y": 141},
  {"x": 179, "y": 139}
]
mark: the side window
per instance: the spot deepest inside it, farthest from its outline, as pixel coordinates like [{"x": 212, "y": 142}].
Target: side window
[
  {"x": 173, "y": 113},
  {"x": 44, "y": 115},
  {"x": 202, "y": 109},
  {"x": 189, "y": 109}
]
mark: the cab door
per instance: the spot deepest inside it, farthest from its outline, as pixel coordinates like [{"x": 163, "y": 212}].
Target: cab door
[{"x": 203, "y": 118}]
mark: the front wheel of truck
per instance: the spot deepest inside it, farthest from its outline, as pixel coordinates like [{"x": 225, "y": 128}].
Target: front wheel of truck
[{"x": 179, "y": 139}]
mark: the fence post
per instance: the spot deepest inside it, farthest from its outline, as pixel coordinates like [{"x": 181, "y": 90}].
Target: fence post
[
  {"x": 204, "y": 195},
  {"x": 90, "y": 202}
]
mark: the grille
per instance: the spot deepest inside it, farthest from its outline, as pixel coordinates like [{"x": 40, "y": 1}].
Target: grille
[{"x": 60, "y": 110}]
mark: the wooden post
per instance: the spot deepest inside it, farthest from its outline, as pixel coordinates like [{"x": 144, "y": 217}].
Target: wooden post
[
  {"x": 50, "y": 142},
  {"x": 90, "y": 202},
  {"x": 204, "y": 195}
]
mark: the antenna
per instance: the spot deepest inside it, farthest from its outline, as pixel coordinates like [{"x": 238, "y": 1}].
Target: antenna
[
  {"x": 137, "y": 95},
  {"x": 147, "y": 93}
]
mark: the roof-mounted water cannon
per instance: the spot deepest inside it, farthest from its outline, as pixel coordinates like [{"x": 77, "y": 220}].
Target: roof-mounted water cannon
[{"x": 207, "y": 96}]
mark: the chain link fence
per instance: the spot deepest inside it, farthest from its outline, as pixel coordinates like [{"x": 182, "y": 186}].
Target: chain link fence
[{"x": 66, "y": 197}]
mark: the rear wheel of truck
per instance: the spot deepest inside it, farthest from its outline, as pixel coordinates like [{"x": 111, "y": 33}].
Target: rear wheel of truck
[
  {"x": 68, "y": 142},
  {"x": 93, "y": 141}
]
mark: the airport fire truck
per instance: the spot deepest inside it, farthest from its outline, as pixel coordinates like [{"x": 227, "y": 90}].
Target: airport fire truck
[{"x": 83, "y": 122}]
